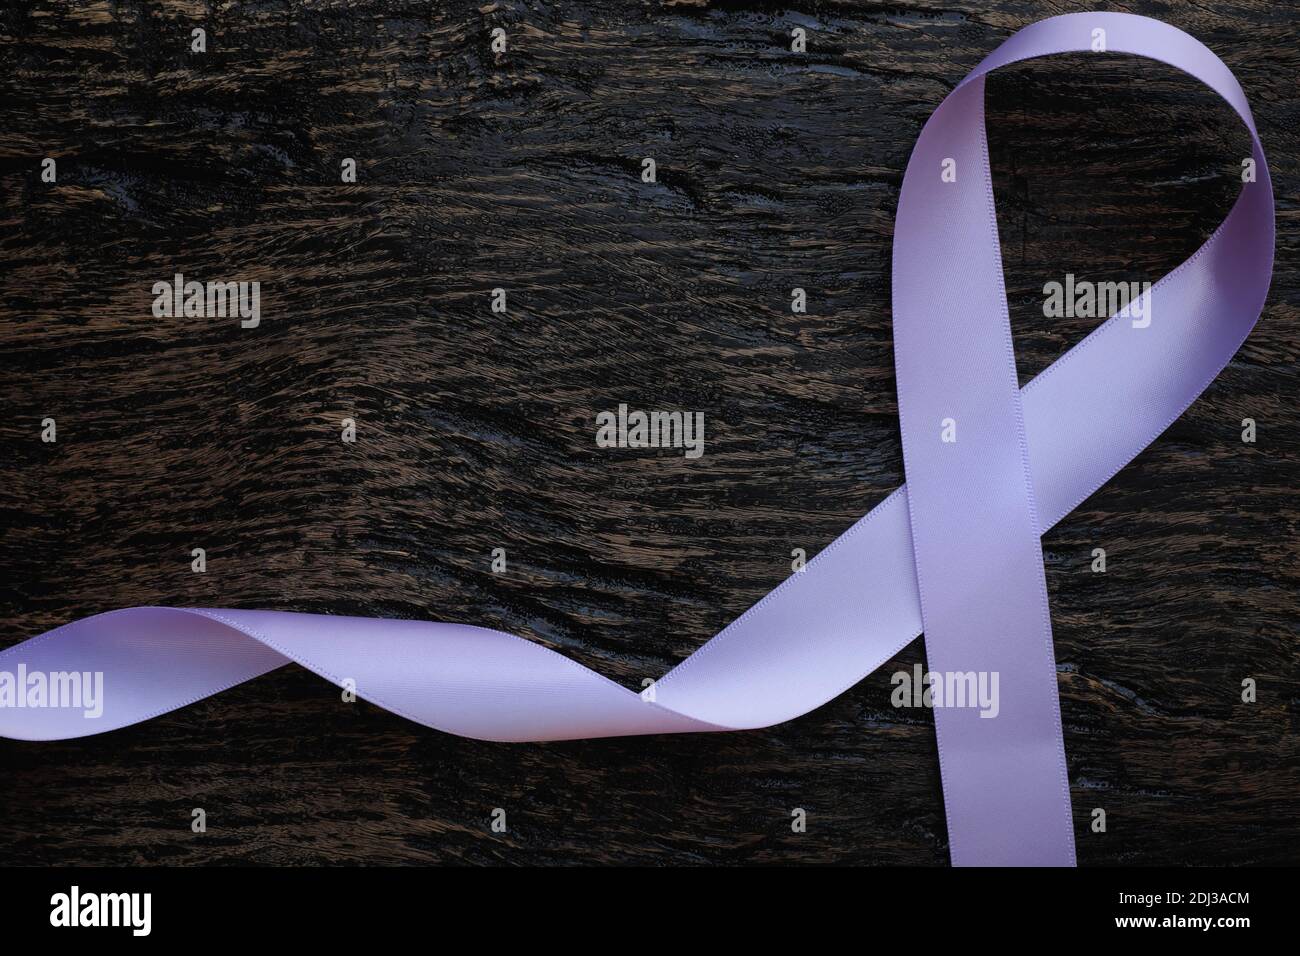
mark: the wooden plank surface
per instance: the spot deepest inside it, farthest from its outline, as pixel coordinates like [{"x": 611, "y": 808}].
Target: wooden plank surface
[{"x": 475, "y": 430}]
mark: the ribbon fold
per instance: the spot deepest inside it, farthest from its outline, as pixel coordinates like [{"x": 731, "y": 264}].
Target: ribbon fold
[{"x": 956, "y": 550}]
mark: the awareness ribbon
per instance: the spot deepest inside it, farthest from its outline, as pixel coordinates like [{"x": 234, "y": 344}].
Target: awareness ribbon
[{"x": 957, "y": 549}]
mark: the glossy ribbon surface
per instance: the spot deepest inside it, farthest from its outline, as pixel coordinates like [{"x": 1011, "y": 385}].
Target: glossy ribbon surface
[{"x": 966, "y": 526}]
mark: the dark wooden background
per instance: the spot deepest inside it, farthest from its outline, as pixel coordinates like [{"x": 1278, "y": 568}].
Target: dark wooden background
[{"x": 476, "y": 430}]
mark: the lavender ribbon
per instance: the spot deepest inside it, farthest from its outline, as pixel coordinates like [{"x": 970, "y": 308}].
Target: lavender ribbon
[{"x": 956, "y": 549}]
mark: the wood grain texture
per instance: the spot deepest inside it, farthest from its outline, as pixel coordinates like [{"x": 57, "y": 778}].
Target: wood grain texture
[{"x": 475, "y": 430}]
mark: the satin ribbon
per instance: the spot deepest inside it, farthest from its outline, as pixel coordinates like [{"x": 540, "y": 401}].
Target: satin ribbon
[{"x": 957, "y": 548}]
